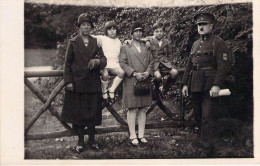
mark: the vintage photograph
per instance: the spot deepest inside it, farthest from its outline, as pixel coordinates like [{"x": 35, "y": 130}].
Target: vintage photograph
[{"x": 109, "y": 82}]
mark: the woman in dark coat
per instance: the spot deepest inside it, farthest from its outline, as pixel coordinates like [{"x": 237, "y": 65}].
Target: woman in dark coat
[
  {"x": 82, "y": 103},
  {"x": 136, "y": 60}
]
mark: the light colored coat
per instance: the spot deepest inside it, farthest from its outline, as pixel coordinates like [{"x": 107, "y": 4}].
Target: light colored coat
[{"x": 131, "y": 60}]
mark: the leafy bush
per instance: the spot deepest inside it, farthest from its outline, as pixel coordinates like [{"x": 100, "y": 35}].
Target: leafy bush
[{"x": 46, "y": 24}]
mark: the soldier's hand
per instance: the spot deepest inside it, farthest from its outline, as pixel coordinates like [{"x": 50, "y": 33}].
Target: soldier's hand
[
  {"x": 185, "y": 91},
  {"x": 214, "y": 91},
  {"x": 69, "y": 87}
]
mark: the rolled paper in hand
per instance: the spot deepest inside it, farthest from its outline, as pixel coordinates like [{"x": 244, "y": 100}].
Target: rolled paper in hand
[{"x": 224, "y": 92}]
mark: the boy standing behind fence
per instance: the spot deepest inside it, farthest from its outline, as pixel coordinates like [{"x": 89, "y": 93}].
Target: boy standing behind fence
[
  {"x": 162, "y": 56},
  {"x": 111, "y": 47}
]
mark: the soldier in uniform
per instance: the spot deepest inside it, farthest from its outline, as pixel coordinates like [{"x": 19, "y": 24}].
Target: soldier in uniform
[{"x": 206, "y": 70}]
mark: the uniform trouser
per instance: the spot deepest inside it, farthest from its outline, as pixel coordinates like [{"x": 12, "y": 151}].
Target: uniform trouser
[{"x": 205, "y": 108}]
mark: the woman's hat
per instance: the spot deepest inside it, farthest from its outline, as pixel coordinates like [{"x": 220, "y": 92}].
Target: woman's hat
[
  {"x": 136, "y": 26},
  {"x": 109, "y": 25},
  {"x": 84, "y": 18}
]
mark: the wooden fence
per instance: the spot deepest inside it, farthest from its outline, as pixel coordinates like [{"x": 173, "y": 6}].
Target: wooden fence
[{"x": 68, "y": 130}]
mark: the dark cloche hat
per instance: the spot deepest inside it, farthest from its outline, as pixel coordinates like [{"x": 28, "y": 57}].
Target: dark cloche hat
[
  {"x": 110, "y": 24},
  {"x": 158, "y": 25},
  {"x": 84, "y": 18},
  {"x": 136, "y": 26},
  {"x": 204, "y": 17}
]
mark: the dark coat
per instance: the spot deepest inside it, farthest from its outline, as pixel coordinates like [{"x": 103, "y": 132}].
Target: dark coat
[
  {"x": 161, "y": 54},
  {"x": 131, "y": 60},
  {"x": 76, "y": 65},
  {"x": 83, "y": 106},
  {"x": 207, "y": 52}
]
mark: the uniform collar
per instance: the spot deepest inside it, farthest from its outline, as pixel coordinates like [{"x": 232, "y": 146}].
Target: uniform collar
[{"x": 206, "y": 37}]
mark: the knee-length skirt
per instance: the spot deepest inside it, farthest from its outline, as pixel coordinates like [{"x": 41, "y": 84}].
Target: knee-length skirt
[{"x": 82, "y": 108}]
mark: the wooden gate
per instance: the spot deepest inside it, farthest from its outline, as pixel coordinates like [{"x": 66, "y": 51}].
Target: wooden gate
[{"x": 69, "y": 132}]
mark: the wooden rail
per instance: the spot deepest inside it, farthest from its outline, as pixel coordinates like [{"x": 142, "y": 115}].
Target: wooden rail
[{"x": 69, "y": 132}]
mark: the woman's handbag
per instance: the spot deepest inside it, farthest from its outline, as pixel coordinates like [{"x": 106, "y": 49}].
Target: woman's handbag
[{"x": 142, "y": 88}]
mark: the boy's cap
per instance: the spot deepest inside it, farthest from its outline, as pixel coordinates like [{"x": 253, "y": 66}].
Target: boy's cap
[
  {"x": 84, "y": 18},
  {"x": 136, "y": 26},
  {"x": 204, "y": 18},
  {"x": 110, "y": 24},
  {"x": 158, "y": 25}
]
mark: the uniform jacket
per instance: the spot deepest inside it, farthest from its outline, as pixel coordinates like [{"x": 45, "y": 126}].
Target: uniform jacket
[
  {"x": 161, "y": 54},
  {"x": 131, "y": 60},
  {"x": 208, "y": 51},
  {"x": 76, "y": 65}
]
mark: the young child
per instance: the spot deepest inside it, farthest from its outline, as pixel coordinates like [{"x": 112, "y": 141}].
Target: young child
[
  {"x": 162, "y": 56},
  {"x": 111, "y": 48}
]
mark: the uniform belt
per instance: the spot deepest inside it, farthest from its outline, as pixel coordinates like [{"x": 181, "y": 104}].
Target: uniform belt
[{"x": 202, "y": 68}]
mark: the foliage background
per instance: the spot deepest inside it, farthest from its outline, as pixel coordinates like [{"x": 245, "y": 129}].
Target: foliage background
[{"x": 49, "y": 26}]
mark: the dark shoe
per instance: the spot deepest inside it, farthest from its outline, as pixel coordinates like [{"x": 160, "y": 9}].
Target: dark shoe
[
  {"x": 105, "y": 102},
  {"x": 79, "y": 149},
  {"x": 169, "y": 82},
  {"x": 156, "y": 89},
  {"x": 142, "y": 140},
  {"x": 112, "y": 99},
  {"x": 94, "y": 146},
  {"x": 134, "y": 142}
]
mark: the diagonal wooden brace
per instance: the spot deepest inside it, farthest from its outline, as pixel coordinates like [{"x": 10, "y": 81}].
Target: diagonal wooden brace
[
  {"x": 150, "y": 109},
  {"x": 165, "y": 109},
  {"x": 54, "y": 93},
  {"x": 116, "y": 115},
  {"x": 43, "y": 100}
]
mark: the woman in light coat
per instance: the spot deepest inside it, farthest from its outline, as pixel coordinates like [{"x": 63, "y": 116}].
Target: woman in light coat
[{"x": 136, "y": 60}]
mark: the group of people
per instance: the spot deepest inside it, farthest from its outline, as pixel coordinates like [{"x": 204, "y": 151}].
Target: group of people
[{"x": 90, "y": 59}]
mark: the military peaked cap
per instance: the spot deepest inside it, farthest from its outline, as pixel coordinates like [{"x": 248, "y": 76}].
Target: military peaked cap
[{"x": 204, "y": 18}]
